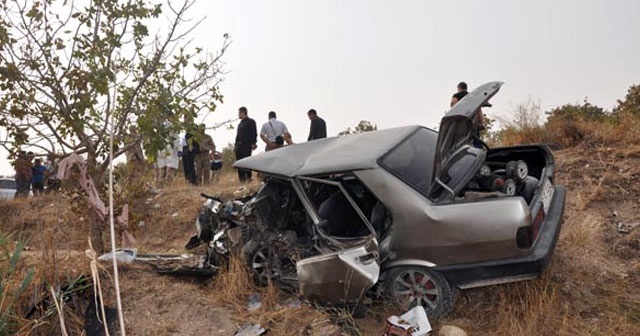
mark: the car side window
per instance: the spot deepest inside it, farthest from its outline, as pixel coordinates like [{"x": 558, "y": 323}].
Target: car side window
[
  {"x": 339, "y": 216},
  {"x": 412, "y": 160}
]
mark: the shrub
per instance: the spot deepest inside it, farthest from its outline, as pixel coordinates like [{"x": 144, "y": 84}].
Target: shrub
[
  {"x": 570, "y": 124},
  {"x": 523, "y": 127}
]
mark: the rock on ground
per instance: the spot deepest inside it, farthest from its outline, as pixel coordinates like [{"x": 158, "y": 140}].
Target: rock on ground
[{"x": 451, "y": 330}]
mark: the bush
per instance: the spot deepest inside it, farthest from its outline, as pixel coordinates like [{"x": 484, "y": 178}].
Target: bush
[
  {"x": 571, "y": 124},
  {"x": 524, "y": 127}
]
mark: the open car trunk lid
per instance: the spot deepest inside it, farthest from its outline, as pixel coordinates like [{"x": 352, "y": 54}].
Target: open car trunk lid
[{"x": 458, "y": 125}]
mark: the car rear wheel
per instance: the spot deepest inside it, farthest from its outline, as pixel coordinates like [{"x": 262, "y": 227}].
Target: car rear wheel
[{"x": 414, "y": 285}]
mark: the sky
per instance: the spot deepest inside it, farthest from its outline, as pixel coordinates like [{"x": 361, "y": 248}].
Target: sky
[{"x": 397, "y": 63}]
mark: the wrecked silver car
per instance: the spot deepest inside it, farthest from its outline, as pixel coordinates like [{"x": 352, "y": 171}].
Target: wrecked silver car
[{"x": 407, "y": 212}]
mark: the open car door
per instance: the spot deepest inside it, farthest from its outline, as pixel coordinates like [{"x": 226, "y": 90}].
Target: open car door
[
  {"x": 351, "y": 265},
  {"x": 342, "y": 276}
]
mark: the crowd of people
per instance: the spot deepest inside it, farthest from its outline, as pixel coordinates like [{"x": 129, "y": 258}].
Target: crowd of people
[
  {"x": 196, "y": 156},
  {"x": 274, "y": 133},
  {"x": 195, "y": 152},
  {"x": 32, "y": 175}
]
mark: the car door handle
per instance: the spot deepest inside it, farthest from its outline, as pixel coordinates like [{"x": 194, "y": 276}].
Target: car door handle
[{"x": 368, "y": 258}]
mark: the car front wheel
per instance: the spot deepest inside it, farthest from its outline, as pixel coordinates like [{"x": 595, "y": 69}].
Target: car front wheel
[{"x": 410, "y": 286}]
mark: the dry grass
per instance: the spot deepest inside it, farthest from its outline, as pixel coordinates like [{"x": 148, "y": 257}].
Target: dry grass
[
  {"x": 590, "y": 288},
  {"x": 53, "y": 253},
  {"x": 233, "y": 287}
]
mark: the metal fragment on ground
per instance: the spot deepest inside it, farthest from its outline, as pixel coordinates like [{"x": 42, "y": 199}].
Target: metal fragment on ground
[{"x": 248, "y": 329}]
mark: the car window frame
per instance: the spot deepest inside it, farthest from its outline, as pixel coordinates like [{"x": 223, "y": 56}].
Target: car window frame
[
  {"x": 344, "y": 192},
  {"x": 388, "y": 169}
]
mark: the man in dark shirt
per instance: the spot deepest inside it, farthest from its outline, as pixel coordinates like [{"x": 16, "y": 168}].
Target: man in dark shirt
[
  {"x": 246, "y": 140},
  {"x": 462, "y": 91},
  {"x": 37, "y": 177},
  {"x": 189, "y": 153},
  {"x": 318, "y": 128}
]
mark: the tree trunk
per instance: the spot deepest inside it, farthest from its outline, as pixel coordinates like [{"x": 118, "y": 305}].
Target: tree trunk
[{"x": 95, "y": 232}]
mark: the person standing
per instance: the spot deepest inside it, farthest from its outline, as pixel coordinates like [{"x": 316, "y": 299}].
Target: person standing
[
  {"x": 318, "y": 129},
  {"x": 246, "y": 139},
  {"x": 189, "y": 152},
  {"x": 216, "y": 165},
  {"x": 203, "y": 163},
  {"x": 168, "y": 159},
  {"x": 22, "y": 166},
  {"x": 462, "y": 91},
  {"x": 274, "y": 133},
  {"x": 37, "y": 177},
  {"x": 51, "y": 174}
]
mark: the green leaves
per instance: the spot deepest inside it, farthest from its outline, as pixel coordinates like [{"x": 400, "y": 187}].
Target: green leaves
[
  {"x": 575, "y": 112},
  {"x": 140, "y": 30},
  {"x": 630, "y": 106},
  {"x": 363, "y": 126},
  {"x": 77, "y": 74}
]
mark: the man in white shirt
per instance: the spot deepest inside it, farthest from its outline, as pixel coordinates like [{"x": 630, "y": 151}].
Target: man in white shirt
[{"x": 274, "y": 133}]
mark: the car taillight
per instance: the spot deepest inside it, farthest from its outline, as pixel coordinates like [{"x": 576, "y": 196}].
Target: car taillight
[
  {"x": 524, "y": 237},
  {"x": 537, "y": 223}
]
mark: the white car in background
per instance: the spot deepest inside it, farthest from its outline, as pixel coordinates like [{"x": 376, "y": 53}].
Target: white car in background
[{"x": 7, "y": 188}]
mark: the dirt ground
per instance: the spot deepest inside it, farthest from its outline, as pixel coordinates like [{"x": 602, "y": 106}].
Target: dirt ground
[{"x": 164, "y": 305}]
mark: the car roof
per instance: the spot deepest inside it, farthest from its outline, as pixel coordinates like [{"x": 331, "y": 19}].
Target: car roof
[{"x": 330, "y": 155}]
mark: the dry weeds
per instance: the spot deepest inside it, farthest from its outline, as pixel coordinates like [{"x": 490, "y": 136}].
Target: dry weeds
[{"x": 590, "y": 287}]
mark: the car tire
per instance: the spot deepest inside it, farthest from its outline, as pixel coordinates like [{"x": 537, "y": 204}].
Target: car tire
[
  {"x": 529, "y": 187},
  {"x": 409, "y": 286},
  {"x": 259, "y": 259}
]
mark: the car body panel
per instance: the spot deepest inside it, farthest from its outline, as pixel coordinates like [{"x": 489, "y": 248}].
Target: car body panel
[
  {"x": 442, "y": 234},
  {"x": 342, "y": 276},
  {"x": 504, "y": 270}
]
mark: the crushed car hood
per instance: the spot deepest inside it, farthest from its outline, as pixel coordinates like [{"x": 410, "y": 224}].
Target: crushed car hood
[
  {"x": 458, "y": 125},
  {"x": 330, "y": 155}
]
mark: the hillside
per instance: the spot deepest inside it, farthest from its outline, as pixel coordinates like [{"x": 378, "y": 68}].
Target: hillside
[{"x": 590, "y": 287}]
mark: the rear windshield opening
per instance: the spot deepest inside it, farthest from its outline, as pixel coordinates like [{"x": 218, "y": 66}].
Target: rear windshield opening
[{"x": 412, "y": 160}]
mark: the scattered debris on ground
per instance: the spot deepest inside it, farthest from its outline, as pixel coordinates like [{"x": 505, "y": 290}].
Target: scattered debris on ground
[
  {"x": 254, "y": 302},
  {"x": 412, "y": 323},
  {"x": 248, "y": 329}
]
